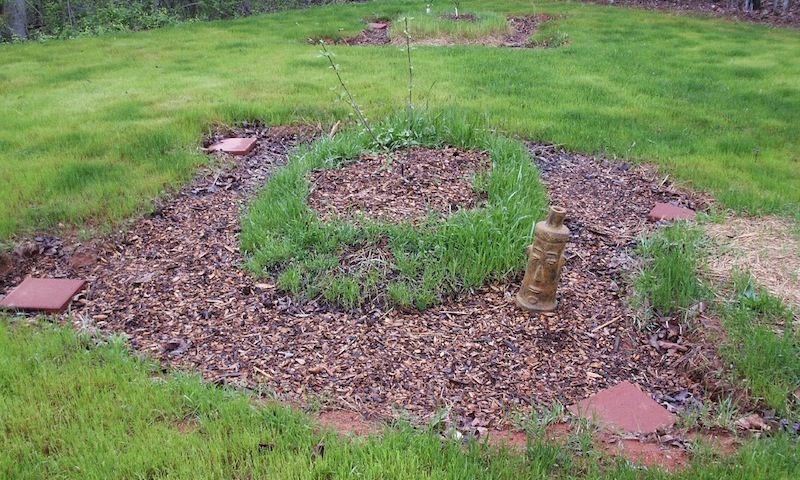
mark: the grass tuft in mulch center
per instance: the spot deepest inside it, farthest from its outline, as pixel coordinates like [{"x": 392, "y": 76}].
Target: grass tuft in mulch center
[{"x": 404, "y": 228}]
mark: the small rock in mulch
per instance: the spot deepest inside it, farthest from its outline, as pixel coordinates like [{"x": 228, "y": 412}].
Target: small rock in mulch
[
  {"x": 234, "y": 146},
  {"x": 50, "y": 295},
  {"x": 405, "y": 187},
  {"x": 665, "y": 212},
  {"x": 625, "y": 407}
]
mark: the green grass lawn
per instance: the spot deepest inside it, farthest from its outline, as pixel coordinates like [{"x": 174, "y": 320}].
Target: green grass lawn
[{"x": 91, "y": 129}]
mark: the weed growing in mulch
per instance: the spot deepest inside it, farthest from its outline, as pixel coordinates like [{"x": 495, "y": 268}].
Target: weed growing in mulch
[
  {"x": 353, "y": 260},
  {"x": 760, "y": 341}
]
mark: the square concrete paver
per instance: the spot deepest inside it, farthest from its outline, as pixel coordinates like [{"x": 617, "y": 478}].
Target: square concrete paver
[
  {"x": 234, "y": 146},
  {"x": 50, "y": 295},
  {"x": 625, "y": 407},
  {"x": 669, "y": 213}
]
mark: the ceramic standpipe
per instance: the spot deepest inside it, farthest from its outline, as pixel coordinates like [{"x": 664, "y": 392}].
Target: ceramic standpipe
[{"x": 545, "y": 259}]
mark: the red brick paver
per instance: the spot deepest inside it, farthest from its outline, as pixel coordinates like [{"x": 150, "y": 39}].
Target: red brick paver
[
  {"x": 234, "y": 146},
  {"x": 50, "y": 295},
  {"x": 669, "y": 213},
  {"x": 625, "y": 407}
]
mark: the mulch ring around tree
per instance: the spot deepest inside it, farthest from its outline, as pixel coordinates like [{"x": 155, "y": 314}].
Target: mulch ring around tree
[
  {"x": 174, "y": 283},
  {"x": 522, "y": 27}
]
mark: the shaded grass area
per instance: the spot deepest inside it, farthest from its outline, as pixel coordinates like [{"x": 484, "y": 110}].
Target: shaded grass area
[
  {"x": 282, "y": 235},
  {"x": 78, "y": 407},
  {"x": 761, "y": 342},
  {"x": 91, "y": 129}
]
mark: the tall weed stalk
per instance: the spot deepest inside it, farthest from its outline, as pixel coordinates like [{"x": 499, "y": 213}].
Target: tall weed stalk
[{"x": 346, "y": 91}]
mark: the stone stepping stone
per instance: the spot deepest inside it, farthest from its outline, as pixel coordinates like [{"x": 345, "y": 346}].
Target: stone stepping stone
[
  {"x": 625, "y": 407},
  {"x": 669, "y": 213},
  {"x": 51, "y": 295},
  {"x": 234, "y": 146}
]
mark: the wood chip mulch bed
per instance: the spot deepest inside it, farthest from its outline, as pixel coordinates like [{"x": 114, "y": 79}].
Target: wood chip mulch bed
[
  {"x": 173, "y": 282},
  {"x": 405, "y": 188}
]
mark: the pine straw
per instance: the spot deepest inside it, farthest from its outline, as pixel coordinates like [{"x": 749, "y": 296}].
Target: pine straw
[{"x": 765, "y": 247}]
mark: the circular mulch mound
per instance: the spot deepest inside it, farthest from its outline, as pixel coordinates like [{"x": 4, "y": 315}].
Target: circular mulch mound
[
  {"x": 407, "y": 186},
  {"x": 173, "y": 282}
]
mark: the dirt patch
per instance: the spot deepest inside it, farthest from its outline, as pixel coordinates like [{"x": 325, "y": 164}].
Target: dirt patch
[
  {"x": 346, "y": 422},
  {"x": 769, "y": 14},
  {"x": 8, "y": 263},
  {"x": 521, "y": 30},
  {"x": 767, "y": 247},
  {"x": 669, "y": 452},
  {"x": 369, "y": 36},
  {"x": 405, "y": 187}
]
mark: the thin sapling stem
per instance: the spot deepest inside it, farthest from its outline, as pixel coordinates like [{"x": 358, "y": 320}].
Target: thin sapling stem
[
  {"x": 407, "y": 33},
  {"x": 329, "y": 55}
]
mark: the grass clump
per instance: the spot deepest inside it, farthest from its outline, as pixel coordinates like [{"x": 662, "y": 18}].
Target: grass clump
[
  {"x": 481, "y": 25},
  {"x": 670, "y": 279},
  {"x": 283, "y": 236},
  {"x": 763, "y": 345},
  {"x": 760, "y": 341}
]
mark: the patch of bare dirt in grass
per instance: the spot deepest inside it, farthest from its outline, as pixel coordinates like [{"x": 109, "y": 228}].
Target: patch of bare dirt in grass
[
  {"x": 766, "y": 247},
  {"x": 408, "y": 186},
  {"x": 347, "y": 422}
]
